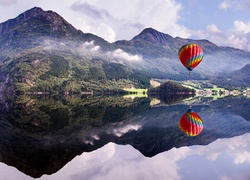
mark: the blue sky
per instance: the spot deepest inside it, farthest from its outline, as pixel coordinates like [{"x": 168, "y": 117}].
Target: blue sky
[{"x": 223, "y": 22}]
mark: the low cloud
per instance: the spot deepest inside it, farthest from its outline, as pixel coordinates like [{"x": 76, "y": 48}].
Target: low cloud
[
  {"x": 120, "y": 54},
  {"x": 96, "y": 48},
  {"x": 124, "y": 129},
  {"x": 90, "y": 45},
  {"x": 117, "y": 55}
]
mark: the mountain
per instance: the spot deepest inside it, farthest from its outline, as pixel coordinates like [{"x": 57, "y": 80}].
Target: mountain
[
  {"x": 160, "y": 52},
  {"x": 36, "y": 23},
  {"x": 40, "y": 135},
  {"x": 152, "y": 36},
  {"x": 155, "y": 37},
  {"x": 35, "y": 19},
  {"x": 235, "y": 79},
  {"x": 41, "y": 51}
]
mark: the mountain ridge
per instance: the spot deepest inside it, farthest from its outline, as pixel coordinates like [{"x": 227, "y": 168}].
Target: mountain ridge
[
  {"x": 33, "y": 43},
  {"x": 148, "y": 34},
  {"x": 37, "y": 13},
  {"x": 153, "y": 36},
  {"x": 235, "y": 79}
]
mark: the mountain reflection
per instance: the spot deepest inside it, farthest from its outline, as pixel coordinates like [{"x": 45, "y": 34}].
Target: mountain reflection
[{"x": 42, "y": 134}]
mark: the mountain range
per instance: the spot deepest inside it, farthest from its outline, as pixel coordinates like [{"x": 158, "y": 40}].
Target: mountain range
[{"x": 41, "y": 51}]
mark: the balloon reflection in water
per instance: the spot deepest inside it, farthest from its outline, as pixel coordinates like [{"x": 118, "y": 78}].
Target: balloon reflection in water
[{"x": 190, "y": 123}]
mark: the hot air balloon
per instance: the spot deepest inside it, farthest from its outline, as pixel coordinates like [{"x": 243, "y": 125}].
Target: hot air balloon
[
  {"x": 190, "y": 55},
  {"x": 190, "y": 123}
]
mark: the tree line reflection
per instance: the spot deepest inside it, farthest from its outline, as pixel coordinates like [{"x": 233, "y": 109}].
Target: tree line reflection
[{"x": 41, "y": 134}]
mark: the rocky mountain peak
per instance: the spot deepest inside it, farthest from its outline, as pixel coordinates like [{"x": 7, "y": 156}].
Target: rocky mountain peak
[
  {"x": 36, "y": 20},
  {"x": 153, "y": 36},
  {"x": 32, "y": 12}
]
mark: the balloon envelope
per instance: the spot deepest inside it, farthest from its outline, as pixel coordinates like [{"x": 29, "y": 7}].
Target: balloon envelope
[
  {"x": 190, "y": 55},
  {"x": 190, "y": 123}
]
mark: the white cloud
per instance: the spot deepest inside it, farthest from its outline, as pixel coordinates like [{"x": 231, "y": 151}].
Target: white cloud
[
  {"x": 238, "y": 42},
  {"x": 241, "y": 27},
  {"x": 120, "y": 54},
  {"x": 213, "y": 34},
  {"x": 235, "y": 5},
  {"x": 96, "y": 137},
  {"x": 237, "y": 148},
  {"x": 213, "y": 28},
  {"x": 118, "y": 20},
  {"x": 90, "y": 45},
  {"x": 242, "y": 157},
  {"x": 108, "y": 32},
  {"x": 115, "y": 20},
  {"x": 123, "y": 161},
  {"x": 224, "y": 5},
  {"x": 238, "y": 36},
  {"x": 96, "y": 27},
  {"x": 213, "y": 156},
  {"x": 112, "y": 161},
  {"x": 123, "y": 130},
  {"x": 96, "y": 48}
]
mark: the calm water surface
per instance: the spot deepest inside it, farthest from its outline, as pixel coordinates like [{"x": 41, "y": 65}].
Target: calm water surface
[{"x": 73, "y": 137}]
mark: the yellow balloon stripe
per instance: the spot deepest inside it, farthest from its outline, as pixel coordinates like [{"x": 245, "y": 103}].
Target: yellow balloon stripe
[
  {"x": 194, "y": 118},
  {"x": 184, "y": 48},
  {"x": 194, "y": 61}
]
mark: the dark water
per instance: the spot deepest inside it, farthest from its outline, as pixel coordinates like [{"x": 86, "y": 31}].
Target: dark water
[{"x": 72, "y": 137}]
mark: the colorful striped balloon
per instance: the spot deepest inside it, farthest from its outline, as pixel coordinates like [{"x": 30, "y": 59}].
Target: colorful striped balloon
[
  {"x": 190, "y": 55},
  {"x": 190, "y": 123}
]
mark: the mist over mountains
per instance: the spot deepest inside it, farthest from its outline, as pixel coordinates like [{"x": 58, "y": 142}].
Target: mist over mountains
[
  {"x": 41, "y": 51},
  {"x": 237, "y": 78}
]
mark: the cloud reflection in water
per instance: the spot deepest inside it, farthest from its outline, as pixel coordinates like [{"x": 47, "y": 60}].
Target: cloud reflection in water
[{"x": 222, "y": 159}]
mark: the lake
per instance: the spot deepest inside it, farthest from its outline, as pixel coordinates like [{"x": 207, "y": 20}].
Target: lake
[{"x": 124, "y": 137}]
